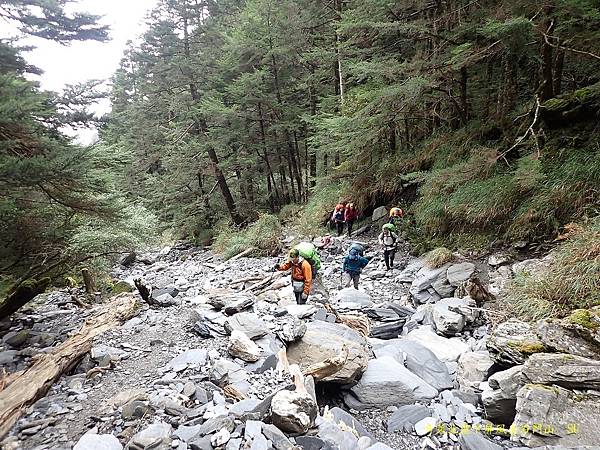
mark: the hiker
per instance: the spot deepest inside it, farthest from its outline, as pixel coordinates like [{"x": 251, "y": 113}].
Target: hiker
[
  {"x": 301, "y": 275},
  {"x": 387, "y": 239},
  {"x": 305, "y": 252},
  {"x": 350, "y": 215},
  {"x": 353, "y": 264},
  {"x": 396, "y": 215},
  {"x": 337, "y": 217}
]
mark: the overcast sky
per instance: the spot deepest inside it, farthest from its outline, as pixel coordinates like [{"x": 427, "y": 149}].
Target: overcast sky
[{"x": 81, "y": 61}]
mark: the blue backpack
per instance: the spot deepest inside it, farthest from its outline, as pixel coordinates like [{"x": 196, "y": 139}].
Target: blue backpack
[{"x": 356, "y": 249}]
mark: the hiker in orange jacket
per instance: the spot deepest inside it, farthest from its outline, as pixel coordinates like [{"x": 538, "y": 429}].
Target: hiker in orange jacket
[{"x": 301, "y": 275}]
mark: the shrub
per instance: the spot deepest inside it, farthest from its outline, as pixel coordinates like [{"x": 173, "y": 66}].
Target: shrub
[
  {"x": 438, "y": 257},
  {"x": 571, "y": 281},
  {"x": 264, "y": 234}
]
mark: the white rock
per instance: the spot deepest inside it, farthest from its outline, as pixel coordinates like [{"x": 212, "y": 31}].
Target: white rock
[
  {"x": 241, "y": 346},
  {"x": 90, "y": 441},
  {"x": 425, "y": 426},
  {"x": 445, "y": 349}
]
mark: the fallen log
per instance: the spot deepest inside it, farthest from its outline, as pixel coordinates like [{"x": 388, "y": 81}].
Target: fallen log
[
  {"x": 22, "y": 294},
  {"x": 233, "y": 258},
  {"x": 33, "y": 383},
  {"x": 244, "y": 280}
]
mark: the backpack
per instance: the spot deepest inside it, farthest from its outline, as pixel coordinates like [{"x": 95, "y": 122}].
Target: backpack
[
  {"x": 360, "y": 250},
  {"x": 339, "y": 215},
  {"x": 389, "y": 226},
  {"x": 309, "y": 252}
]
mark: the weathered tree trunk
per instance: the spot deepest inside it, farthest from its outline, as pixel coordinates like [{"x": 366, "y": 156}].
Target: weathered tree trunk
[
  {"x": 558, "y": 71},
  {"x": 546, "y": 88},
  {"x": 33, "y": 383},
  {"x": 23, "y": 294},
  {"x": 200, "y": 126},
  {"x": 88, "y": 281},
  {"x": 464, "y": 101}
]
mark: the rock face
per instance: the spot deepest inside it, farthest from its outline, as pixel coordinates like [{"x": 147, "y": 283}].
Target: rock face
[
  {"x": 419, "y": 360},
  {"x": 445, "y": 349},
  {"x": 387, "y": 382},
  {"x": 293, "y": 412},
  {"x": 473, "y": 368},
  {"x": 512, "y": 342},
  {"x": 578, "y": 334},
  {"x": 241, "y": 346},
  {"x": 476, "y": 441},
  {"x": 568, "y": 371},
  {"x": 324, "y": 340},
  {"x": 555, "y": 416},
  {"x": 500, "y": 400}
]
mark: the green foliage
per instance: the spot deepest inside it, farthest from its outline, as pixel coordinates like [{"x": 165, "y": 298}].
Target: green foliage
[
  {"x": 264, "y": 235},
  {"x": 571, "y": 281},
  {"x": 437, "y": 257}
]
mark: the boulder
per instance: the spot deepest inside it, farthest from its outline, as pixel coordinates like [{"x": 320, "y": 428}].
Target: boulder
[
  {"x": 387, "y": 382},
  {"x": 423, "y": 288},
  {"x": 512, "y": 342},
  {"x": 497, "y": 259},
  {"x": 324, "y": 340},
  {"x": 379, "y": 213},
  {"x": 445, "y": 317},
  {"x": 90, "y": 441},
  {"x": 293, "y": 411},
  {"x": 156, "y": 435},
  {"x": 568, "y": 371},
  {"x": 419, "y": 360},
  {"x": 425, "y": 426},
  {"x": 446, "y": 349},
  {"x": 473, "y": 368},
  {"x": 292, "y": 330},
  {"x": 239, "y": 303},
  {"x": 242, "y": 347},
  {"x": 578, "y": 334},
  {"x": 277, "y": 438},
  {"x": 500, "y": 400},
  {"x": 248, "y": 323},
  {"x": 340, "y": 416},
  {"x": 405, "y": 417},
  {"x": 555, "y": 416},
  {"x": 128, "y": 259},
  {"x": 349, "y": 296},
  {"x": 388, "y": 330}
]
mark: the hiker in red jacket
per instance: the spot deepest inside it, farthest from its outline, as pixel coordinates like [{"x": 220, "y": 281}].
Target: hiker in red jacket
[{"x": 350, "y": 215}]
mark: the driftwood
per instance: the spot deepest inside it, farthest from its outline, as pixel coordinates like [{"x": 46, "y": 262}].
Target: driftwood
[
  {"x": 327, "y": 367},
  {"x": 22, "y": 294},
  {"x": 246, "y": 279},
  {"x": 246, "y": 252},
  {"x": 358, "y": 322},
  {"x": 33, "y": 383},
  {"x": 234, "y": 393}
]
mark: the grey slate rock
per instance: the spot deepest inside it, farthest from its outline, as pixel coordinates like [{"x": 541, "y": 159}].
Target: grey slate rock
[
  {"x": 476, "y": 441},
  {"x": 215, "y": 424},
  {"x": 312, "y": 443},
  {"x": 405, "y": 417},
  {"x": 342, "y": 416},
  {"x": 277, "y": 438}
]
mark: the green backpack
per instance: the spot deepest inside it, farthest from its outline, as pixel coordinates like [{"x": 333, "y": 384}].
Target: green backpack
[{"x": 309, "y": 252}]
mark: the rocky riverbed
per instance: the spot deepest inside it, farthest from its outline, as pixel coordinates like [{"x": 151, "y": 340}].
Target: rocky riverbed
[{"x": 205, "y": 367}]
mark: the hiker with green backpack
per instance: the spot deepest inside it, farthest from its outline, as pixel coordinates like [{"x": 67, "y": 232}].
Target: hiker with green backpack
[
  {"x": 304, "y": 262},
  {"x": 387, "y": 239}
]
